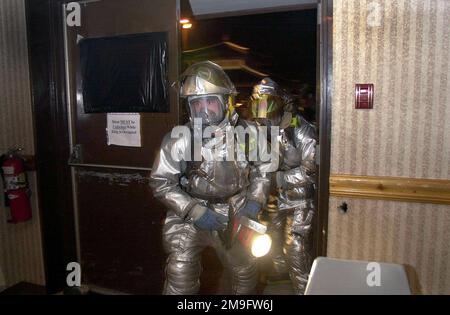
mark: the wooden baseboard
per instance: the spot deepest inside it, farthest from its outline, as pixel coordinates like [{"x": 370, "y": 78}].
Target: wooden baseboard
[{"x": 391, "y": 188}]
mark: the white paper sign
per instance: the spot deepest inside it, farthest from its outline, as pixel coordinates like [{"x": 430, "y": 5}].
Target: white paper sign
[{"x": 124, "y": 129}]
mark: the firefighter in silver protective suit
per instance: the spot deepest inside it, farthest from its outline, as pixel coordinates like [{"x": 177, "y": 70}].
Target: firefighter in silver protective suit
[
  {"x": 292, "y": 197},
  {"x": 202, "y": 195}
]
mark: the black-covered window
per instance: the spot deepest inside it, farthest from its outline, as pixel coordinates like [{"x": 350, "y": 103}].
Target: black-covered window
[{"x": 125, "y": 73}]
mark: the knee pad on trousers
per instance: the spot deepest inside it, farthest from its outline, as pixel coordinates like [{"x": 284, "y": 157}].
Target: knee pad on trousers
[
  {"x": 244, "y": 279},
  {"x": 182, "y": 277}
]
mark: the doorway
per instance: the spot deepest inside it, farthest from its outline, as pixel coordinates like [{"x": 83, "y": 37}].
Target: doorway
[{"x": 251, "y": 46}]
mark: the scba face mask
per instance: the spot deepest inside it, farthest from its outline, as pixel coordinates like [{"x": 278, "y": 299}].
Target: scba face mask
[
  {"x": 266, "y": 110},
  {"x": 209, "y": 108}
]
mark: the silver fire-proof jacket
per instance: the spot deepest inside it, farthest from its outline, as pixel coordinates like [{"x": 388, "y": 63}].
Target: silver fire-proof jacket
[
  {"x": 180, "y": 184},
  {"x": 221, "y": 185},
  {"x": 296, "y": 177}
]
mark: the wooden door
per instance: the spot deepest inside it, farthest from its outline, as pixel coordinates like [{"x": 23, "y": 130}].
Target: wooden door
[{"x": 119, "y": 223}]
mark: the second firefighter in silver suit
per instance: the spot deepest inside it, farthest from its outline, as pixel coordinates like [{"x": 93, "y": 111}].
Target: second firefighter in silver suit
[
  {"x": 202, "y": 196},
  {"x": 293, "y": 194}
]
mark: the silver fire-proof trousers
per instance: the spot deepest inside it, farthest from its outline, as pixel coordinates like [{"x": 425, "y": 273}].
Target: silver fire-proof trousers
[
  {"x": 184, "y": 243},
  {"x": 291, "y": 230}
]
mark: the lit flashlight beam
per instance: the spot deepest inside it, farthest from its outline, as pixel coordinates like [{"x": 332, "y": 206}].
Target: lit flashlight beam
[{"x": 261, "y": 245}]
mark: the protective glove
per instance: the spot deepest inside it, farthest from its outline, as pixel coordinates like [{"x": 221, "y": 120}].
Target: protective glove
[
  {"x": 250, "y": 210},
  {"x": 211, "y": 221}
]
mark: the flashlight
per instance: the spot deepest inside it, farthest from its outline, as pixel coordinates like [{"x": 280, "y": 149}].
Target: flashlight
[
  {"x": 252, "y": 235},
  {"x": 261, "y": 245}
]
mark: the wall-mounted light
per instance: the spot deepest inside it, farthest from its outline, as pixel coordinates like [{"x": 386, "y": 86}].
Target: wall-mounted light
[
  {"x": 185, "y": 21},
  {"x": 187, "y": 25}
]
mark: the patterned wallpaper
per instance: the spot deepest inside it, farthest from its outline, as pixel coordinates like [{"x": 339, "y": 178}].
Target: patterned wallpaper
[
  {"x": 408, "y": 59},
  {"x": 403, "y": 47},
  {"x": 20, "y": 245},
  {"x": 416, "y": 235}
]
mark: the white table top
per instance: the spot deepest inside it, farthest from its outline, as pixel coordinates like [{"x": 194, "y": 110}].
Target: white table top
[{"x": 348, "y": 277}]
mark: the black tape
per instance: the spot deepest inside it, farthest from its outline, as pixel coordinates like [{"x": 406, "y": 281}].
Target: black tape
[{"x": 125, "y": 73}]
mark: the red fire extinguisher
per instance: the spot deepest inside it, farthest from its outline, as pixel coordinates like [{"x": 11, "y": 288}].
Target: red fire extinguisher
[{"x": 16, "y": 186}]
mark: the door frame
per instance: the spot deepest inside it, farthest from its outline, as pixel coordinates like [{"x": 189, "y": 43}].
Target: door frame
[
  {"x": 52, "y": 136},
  {"x": 325, "y": 84},
  {"x": 52, "y": 139}
]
